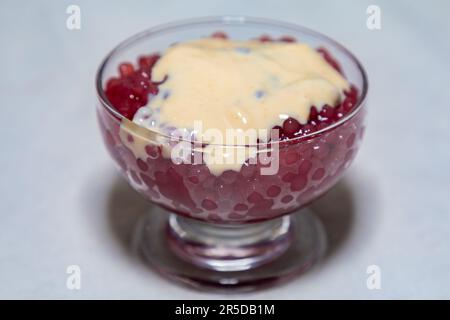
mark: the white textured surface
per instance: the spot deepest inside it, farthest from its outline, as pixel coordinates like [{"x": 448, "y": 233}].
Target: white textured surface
[{"x": 62, "y": 203}]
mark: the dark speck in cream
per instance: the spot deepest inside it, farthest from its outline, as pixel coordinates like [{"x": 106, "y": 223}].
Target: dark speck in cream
[
  {"x": 166, "y": 94},
  {"x": 259, "y": 94}
]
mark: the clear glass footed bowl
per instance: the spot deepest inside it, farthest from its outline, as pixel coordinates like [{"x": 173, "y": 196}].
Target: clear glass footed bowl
[{"x": 237, "y": 228}]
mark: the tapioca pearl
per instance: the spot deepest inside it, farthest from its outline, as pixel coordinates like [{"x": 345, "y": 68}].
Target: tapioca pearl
[
  {"x": 126, "y": 69},
  {"x": 351, "y": 140},
  {"x": 147, "y": 62},
  {"x": 288, "y": 39},
  {"x": 305, "y": 150},
  {"x": 259, "y": 186},
  {"x": 194, "y": 180},
  {"x": 261, "y": 208},
  {"x": 196, "y": 192},
  {"x": 318, "y": 174},
  {"x": 209, "y": 204},
  {"x": 333, "y": 137},
  {"x": 152, "y": 151},
  {"x": 255, "y": 197},
  {"x": 339, "y": 112},
  {"x": 209, "y": 182},
  {"x": 197, "y": 173},
  {"x": 313, "y": 114},
  {"x": 333, "y": 149},
  {"x": 291, "y": 127},
  {"x": 287, "y": 199},
  {"x": 309, "y": 128},
  {"x": 142, "y": 164},
  {"x": 288, "y": 177},
  {"x": 265, "y": 38},
  {"x": 327, "y": 113},
  {"x": 248, "y": 170},
  {"x": 291, "y": 158},
  {"x": 149, "y": 182},
  {"x": 349, "y": 129},
  {"x": 267, "y": 159},
  {"x": 240, "y": 207},
  {"x": 299, "y": 183},
  {"x": 242, "y": 187},
  {"x": 229, "y": 176},
  {"x": 134, "y": 176},
  {"x": 348, "y": 103},
  {"x": 224, "y": 190},
  {"x": 219, "y": 35},
  {"x": 352, "y": 92},
  {"x": 321, "y": 150},
  {"x": 129, "y": 93},
  {"x": 304, "y": 167},
  {"x": 273, "y": 191}
]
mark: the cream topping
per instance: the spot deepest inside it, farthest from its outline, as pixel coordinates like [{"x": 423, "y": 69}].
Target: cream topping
[
  {"x": 242, "y": 84},
  {"x": 238, "y": 85}
]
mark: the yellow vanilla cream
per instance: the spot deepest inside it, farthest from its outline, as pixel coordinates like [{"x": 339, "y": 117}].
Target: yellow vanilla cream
[
  {"x": 237, "y": 85},
  {"x": 242, "y": 84}
]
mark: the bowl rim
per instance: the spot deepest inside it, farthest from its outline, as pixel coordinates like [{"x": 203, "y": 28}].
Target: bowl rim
[{"x": 231, "y": 19}]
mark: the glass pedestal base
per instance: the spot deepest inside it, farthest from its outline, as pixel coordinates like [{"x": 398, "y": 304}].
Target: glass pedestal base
[{"x": 230, "y": 258}]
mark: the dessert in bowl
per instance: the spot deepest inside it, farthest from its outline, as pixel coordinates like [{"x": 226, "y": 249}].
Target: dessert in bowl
[{"x": 232, "y": 133}]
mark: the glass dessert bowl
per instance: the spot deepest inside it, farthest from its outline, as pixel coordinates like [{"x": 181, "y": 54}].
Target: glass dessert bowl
[{"x": 227, "y": 225}]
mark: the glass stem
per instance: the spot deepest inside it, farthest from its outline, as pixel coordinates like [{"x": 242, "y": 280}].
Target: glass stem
[{"x": 229, "y": 247}]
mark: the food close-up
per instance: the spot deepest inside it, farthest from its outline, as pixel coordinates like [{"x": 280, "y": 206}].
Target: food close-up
[
  {"x": 237, "y": 134},
  {"x": 221, "y": 157}
]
